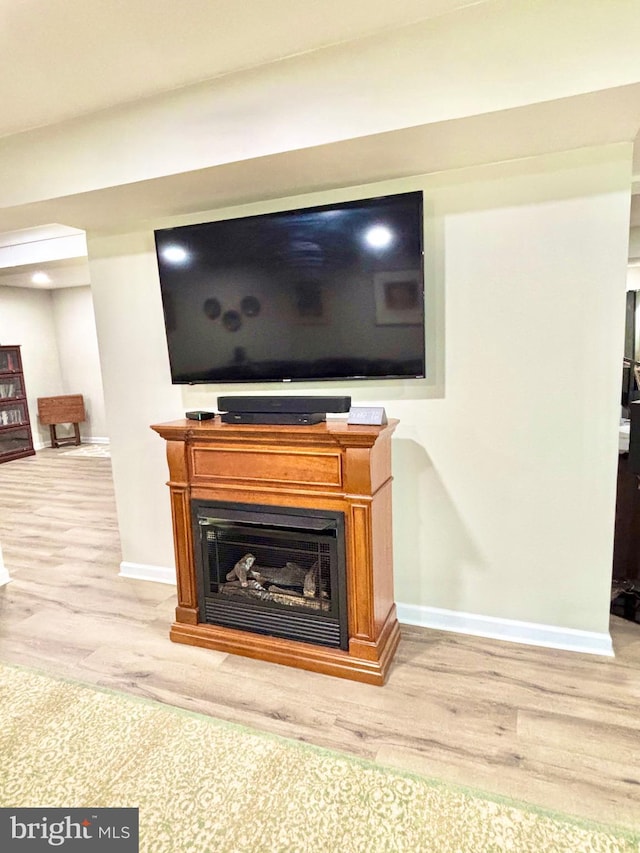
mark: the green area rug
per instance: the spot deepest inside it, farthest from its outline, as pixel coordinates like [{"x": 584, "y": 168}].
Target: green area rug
[{"x": 204, "y": 785}]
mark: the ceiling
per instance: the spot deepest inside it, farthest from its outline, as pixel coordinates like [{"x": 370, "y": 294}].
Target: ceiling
[{"x": 66, "y": 58}]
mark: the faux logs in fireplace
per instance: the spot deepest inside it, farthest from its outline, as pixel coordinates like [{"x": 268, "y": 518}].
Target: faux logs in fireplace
[{"x": 283, "y": 543}]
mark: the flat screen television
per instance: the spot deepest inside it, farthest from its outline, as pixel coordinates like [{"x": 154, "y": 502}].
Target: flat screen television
[{"x": 330, "y": 292}]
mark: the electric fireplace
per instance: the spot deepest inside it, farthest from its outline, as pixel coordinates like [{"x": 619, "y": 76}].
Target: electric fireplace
[{"x": 283, "y": 543}]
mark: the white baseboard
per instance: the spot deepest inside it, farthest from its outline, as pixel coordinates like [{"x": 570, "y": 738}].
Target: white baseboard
[
  {"x": 528, "y": 633},
  {"x": 4, "y": 574},
  {"x": 144, "y": 572},
  {"x": 38, "y": 444}
]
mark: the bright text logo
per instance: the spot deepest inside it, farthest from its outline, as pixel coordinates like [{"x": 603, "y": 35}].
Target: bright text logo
[{"x": 32, "y": 830}]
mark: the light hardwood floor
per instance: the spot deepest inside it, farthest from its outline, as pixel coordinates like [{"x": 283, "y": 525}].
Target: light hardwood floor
[{"x": 557, "y": 729}]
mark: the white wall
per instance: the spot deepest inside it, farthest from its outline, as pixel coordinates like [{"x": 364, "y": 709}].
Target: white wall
[
  {"x": 26, "y": 318},
  {"x": 513, "y": 472},
  {"x": 137, "y": 390},
  {"x": 504, "y": 461},
  {"x": 4, "y": 574},
  {"x": 505, "y": 458},
  {"x": 633, "y": 278},
  {"x": 634, "y": 244},
  {"x": 56, "y": 330},
  {"x": 74, "y": 322}
]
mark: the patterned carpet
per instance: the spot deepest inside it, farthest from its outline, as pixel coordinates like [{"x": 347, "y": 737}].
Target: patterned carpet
[{"x": 204, "y": 785}]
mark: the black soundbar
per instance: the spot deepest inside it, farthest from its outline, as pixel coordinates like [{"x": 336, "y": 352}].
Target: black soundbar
[
  {"x": 287, "y": 405},
  {"x": 297, "y": 418}
]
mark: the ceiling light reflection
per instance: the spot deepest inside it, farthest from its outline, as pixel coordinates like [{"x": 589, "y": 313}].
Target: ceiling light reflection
[
  {"x": 379, "y": 236},
  {"x": 175, "y": 254}
]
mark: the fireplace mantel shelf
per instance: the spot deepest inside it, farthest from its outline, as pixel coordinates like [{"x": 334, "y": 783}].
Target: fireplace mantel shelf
[
  {"x": 331, "y": 466},
  {"x": 328, "y": 433}
]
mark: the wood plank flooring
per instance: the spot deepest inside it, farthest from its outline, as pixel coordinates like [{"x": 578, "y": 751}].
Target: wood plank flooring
[{"x": 554, "y": 728}]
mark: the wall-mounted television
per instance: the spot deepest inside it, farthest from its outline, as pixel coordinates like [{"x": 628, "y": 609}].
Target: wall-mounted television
[{"x": 329, "y": 292}]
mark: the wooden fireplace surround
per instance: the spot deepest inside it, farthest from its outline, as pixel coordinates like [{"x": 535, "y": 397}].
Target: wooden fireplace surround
[{"x": 333, "y": 466}]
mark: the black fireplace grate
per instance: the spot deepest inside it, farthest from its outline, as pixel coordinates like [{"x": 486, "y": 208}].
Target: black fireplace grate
[
  {"x": 275, "y": 623},
  {"x": 279, "y": 572}
]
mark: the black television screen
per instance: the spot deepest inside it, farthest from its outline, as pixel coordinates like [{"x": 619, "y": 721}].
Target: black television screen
[{"x": 330, "y": 292}]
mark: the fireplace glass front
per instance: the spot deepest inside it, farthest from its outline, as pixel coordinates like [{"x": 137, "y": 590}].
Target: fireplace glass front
[{"x": 278, "y": 571}]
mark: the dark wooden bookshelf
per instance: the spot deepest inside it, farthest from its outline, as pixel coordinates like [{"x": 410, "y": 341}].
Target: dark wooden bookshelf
[{"x": 15, "y": 428}]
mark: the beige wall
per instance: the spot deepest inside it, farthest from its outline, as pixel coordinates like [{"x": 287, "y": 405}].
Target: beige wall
[{"x": 505, "y": 458}]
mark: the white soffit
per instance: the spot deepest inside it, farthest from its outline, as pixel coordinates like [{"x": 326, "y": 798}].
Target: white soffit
[
  {"x": 40, "y": 245},
  {"x": 32, "y": 235},
  {"x": 584, "y": 121},
  {"x": 73, "y": 272}
]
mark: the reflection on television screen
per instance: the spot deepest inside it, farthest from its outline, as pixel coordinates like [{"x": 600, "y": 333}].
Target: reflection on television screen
[{"x": 331, "y": 292}]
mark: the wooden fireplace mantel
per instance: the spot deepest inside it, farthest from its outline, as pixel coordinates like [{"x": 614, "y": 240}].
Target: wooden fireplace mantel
[{"x": 333, "y": 466}]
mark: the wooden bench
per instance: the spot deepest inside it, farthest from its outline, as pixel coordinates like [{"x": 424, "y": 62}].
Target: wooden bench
[{"x": 68, "y": 409}]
